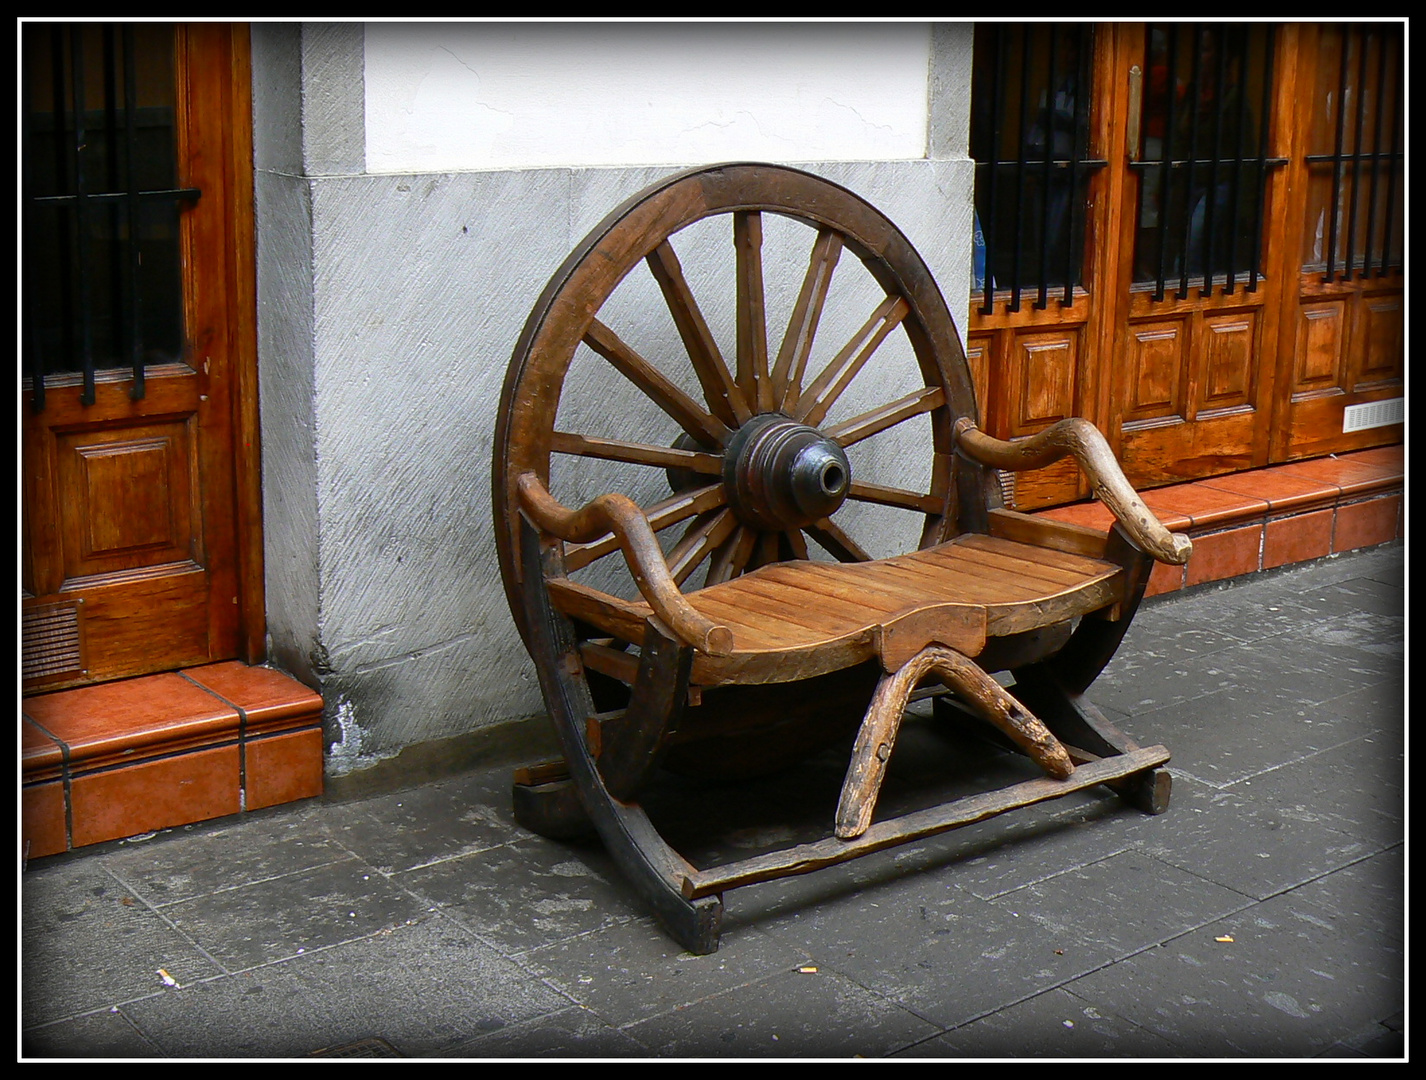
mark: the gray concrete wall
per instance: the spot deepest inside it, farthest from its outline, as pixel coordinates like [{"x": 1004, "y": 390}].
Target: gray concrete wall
[{"x": 388, "y": 308}]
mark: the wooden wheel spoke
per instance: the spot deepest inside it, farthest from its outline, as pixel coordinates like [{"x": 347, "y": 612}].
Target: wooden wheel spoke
[
  {"x": 701, "y": 539},
  {"x": 891, "y": 496},
  {"x": 661, "y": 515},
  {"x": 753, "y": 376},
  {"x": 886, "y": 416},
  {"x": 723, "y": 395},
  {"x": 731, "y": 555},
  {"x": 795, "y": 543},
  {"x": 802, "y": 325},
  {"x": 836, "y": 542},
  {"x": 662, "y": 457},
  {"x": 768, "y": 550},
  {"x": 686, "y": 412},
  {"x": 822, "y": 394}
]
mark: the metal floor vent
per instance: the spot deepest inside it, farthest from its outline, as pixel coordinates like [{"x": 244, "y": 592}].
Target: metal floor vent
[
  {"x": 362, "y": 1048},
  {"x": 51, "y": 642},
  {"x": 1006, "y": 480}
]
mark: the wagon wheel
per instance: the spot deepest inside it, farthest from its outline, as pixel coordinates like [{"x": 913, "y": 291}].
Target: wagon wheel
[{"x": 754, "y": 464}]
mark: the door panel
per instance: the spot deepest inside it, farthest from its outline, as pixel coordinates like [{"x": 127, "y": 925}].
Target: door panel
[
  {"x": 133, "y": 523},
  {"x": 1043, "y": 374},
  {"x": 1383, "y": 355},
  {"x": 1156, "y": 383}
]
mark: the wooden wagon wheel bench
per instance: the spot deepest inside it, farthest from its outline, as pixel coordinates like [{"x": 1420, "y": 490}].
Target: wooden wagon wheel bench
[{"x": 737, "y": 647}]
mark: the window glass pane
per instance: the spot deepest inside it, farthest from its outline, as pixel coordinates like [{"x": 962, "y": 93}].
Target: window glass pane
[
  {"x": 1356, "y": 190},
  {"x": 1202, "y": 151},
  {"x": 101, "y": 262},
  {"x": 1029, "y": 138}
]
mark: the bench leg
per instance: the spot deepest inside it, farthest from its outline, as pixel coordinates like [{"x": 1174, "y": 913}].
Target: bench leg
[
  {"x": 549, "y": 805},
  {"x": 1074, "y": 718},
  {"x": 986, "y": 697},
  {"x": 655, "y": 870}
]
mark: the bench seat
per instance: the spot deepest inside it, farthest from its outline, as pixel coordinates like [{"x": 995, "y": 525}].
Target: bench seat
[{"x": 815, "y": 617}]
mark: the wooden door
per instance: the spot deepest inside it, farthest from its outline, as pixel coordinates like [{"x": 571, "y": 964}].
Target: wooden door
[
  {"x": 1234, "y": 251},
  {"x": 1112, "y": 316},
  {"x": 1342, "y": 346},
  {"x": 139, "y": 538},
  {"x": 1201, "y": 248}
]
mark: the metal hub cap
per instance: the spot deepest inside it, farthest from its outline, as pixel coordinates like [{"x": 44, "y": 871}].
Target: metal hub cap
[{"x": 782, "y": 475}]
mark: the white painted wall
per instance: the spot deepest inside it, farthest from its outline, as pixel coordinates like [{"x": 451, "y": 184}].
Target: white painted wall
[
  {"x": 509, "y": 96},
  {"x": 416, "y": 186}
]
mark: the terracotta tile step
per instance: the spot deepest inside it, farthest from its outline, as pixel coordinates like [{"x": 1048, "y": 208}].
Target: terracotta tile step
[
  {"x": 1264, "y": 518},
  {"x": 124, "y": 758}
]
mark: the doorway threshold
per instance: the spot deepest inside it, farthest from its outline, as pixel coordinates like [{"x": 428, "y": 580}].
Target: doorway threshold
[
  {"x": 125, "y": 758},
  {"x": 1261, "y": 519}
]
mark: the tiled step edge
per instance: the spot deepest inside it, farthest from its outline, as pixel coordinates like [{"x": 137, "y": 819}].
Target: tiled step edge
[
  {"x": 121, "y": 759},
  {"x": 1265, "y": 518}
]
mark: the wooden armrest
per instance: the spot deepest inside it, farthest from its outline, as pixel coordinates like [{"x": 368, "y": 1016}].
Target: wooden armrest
[
  {"x": 621, "y": 516},
  {"x": 1083, "y": 440}
]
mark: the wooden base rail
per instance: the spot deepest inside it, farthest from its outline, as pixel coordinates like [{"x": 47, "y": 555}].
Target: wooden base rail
[{"x": 806, "y": 858}]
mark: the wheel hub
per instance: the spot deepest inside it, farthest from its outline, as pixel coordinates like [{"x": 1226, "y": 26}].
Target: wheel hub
[{"x": 780, "y": 474}]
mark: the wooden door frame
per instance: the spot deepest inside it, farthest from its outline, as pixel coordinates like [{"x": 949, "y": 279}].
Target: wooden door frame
[{"x": 224, "y": 83}]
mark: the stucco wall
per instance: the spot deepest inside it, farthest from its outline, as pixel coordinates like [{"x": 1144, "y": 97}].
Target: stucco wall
[
  {"x": 484, "y": 96},
  {"x": 390, "y": 302}
]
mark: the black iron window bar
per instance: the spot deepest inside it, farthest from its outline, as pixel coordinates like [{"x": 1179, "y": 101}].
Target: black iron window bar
[
  {"x": 73, "y": 158},
  {"x": 1243, "y": 173},
  {"x": 998, "y": 178},
  {"x": 1393, "y": 159}
]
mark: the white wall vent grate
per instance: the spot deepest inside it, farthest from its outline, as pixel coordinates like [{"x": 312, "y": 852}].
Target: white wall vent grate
[{"x": 1373, "y": 414}]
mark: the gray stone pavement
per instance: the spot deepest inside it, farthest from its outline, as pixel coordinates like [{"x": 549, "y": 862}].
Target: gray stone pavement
[{"x": 1262, "y": 916}]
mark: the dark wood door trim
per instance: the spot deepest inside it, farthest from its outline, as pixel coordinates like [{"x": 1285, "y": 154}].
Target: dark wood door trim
[{"x": 222, "y": 85}]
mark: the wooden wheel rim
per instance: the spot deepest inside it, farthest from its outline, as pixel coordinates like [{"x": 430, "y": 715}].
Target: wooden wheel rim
[{"x": 571, "y": 301}]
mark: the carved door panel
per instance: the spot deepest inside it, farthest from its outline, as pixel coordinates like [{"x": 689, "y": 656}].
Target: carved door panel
[{"x": 137, "y": 329}]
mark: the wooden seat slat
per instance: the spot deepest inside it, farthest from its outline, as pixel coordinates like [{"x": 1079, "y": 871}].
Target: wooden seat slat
[
  {"x": 994, "y": 564},
  {"x": 765, "y": 613},
  {"x": 863, "y": 592},
  {"x": 1044, "y": 556},
  {"x": 790, "y": 596},
  {"x": 959, "y": 582}
]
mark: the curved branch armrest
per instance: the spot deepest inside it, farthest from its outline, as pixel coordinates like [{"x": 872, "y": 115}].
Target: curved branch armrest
[
  {"x": 1083, "y": 440},
  {"x": 621, "y": 516}
]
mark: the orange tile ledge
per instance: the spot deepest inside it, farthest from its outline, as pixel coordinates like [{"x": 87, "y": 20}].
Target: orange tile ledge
[
  {"x": 124, "y": 758},
  {"x": 1265, "y": 518}
]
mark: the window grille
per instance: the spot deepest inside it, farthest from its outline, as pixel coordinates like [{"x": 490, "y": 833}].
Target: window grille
[
  {"x": 1204, "y": 110},
  {"x": 1030, "y": 141},
  {"x": 100, "y": 203},
  {"x": 1356, "y": 190}
]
